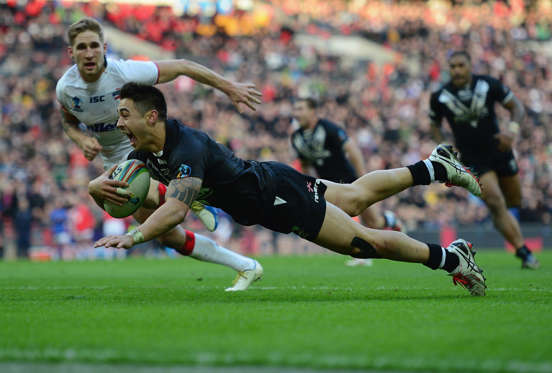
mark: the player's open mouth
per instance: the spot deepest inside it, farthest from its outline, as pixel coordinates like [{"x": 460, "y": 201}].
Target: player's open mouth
[
  {"x": 131, "y": 138},
  {"x": 89, "y": 65}
]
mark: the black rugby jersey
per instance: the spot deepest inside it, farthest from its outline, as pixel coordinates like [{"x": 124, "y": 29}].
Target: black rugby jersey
[
  {"x": 323, "y": 149},
  {"x": 470, "y": 112},
  {"x": 230, "y": 183}
]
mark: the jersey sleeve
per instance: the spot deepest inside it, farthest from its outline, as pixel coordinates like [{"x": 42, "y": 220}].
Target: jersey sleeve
[
  {"x": 143, "y": 72},
  {"x": 61, "y": 97},
  {"x": 435, "y": 113},
  {"x": 189, "y": 160},
  {"x": 501, "y": 93}
]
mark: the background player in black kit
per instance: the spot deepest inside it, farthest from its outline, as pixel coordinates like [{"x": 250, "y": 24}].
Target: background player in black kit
[
  {"x": 276, "y": 196},
  {"x": 467, "y": 102},
  {"x": 325, "y": 147}
]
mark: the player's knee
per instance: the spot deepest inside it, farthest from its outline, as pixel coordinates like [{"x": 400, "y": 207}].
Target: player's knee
[{"x": 356, "y": 203}]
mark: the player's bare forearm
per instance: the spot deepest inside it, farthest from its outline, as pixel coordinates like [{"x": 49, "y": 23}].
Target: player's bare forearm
[
  {"x": 163, "y": 219},
  {"x": 239, "y": 93},
  {"x": 73, "y": 132},
  {"x": 88, "y": 144},
  {"x": 516, "y": 109},
  {"x": 180, "y": 195},
  {"x": 171, "y": 69}
]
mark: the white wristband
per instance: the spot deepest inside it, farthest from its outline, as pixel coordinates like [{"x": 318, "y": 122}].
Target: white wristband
[{"x": 136, "y": 235}]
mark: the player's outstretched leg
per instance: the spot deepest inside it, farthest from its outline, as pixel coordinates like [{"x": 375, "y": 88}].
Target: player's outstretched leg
[
  {"x": 467, "y": 273},
  {"x": 202, "y": 248},
  {"x": 247, "y": 277},
  {"x": 457, "y": 173},
  {"x": 342, "y": 234},
  {"x": 442, "y": 166},
  {"x": 372, "y": 219}
]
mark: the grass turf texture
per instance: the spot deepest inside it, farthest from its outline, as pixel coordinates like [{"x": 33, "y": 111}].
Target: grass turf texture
[{"x": 306, "y": 312}]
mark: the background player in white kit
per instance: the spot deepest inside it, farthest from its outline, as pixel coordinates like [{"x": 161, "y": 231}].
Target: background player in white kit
[{"x": 89, "y": 94}]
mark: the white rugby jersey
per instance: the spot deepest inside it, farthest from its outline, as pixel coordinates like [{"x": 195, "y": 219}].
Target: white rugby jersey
[{"x": 95, "y": 104}]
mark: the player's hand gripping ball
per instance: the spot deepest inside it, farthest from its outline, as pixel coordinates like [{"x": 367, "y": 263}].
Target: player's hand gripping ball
[{"x": 135, "y": 173}]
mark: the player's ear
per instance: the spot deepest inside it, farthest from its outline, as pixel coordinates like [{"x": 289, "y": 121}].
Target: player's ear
[
  {"x": 105, "y": 48},
  {"x": 70, "y": 52},
  {"x": 152, "y": 116}
]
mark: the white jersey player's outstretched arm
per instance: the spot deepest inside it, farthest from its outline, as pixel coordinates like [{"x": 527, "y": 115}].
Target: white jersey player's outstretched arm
[
  {"x": 239, "y": 93},
  {"x": 88, "y": 144}
]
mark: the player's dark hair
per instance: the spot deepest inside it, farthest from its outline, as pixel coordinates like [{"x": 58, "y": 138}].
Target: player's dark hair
[
  {"x": 82, "y": 25},
  {"x": 462, "y": 53},
  {"x": 311, "y": 102},
  {"x": 145, "y": 98}
]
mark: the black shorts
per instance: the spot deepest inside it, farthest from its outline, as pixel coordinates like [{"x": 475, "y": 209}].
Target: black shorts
[
  {"x": 503, "y": 163},
  {"x": 294, "y": 202}
]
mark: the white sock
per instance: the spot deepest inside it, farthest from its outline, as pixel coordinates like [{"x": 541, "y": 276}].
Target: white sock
[
  {"x": 430, "y": 169},
  {"x": 208, "y": 250}
]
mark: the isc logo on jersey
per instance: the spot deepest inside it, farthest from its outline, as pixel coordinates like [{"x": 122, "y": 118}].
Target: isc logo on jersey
[{"x": 96, "y": 99}]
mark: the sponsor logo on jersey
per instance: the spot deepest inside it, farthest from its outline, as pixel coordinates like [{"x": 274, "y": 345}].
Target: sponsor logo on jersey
[
  {"x": 103, "y": 127},
  {"x": 96, "y": 99},
  {"x": 76, "y": 104},
  {"x": 183, "y": 171}
]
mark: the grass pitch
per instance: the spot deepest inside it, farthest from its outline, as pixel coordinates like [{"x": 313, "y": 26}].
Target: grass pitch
[{"x": 306, "y": 312}]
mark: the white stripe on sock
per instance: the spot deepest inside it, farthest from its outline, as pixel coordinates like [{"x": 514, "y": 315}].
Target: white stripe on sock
[
  {"x": 443, "y": 257},
  {"x": 430, "y": 169}
]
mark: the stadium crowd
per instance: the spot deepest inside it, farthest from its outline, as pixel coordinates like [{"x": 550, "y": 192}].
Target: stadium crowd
[{"x": 43, "y": 176}]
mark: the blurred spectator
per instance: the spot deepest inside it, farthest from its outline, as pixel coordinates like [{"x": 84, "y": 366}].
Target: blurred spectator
[
  {"x": 59, "y": 217},
  {"x": 22, "y": 223}
]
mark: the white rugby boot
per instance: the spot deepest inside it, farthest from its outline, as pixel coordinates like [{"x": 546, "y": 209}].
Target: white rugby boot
[
  {"x": 246, "y": 278},
  {"x": 467, "y": 274},
  {"x": 457, "y": 173}
]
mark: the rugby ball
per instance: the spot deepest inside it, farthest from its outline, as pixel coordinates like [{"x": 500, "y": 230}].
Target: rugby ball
[{"x": 135, "y": 173}]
